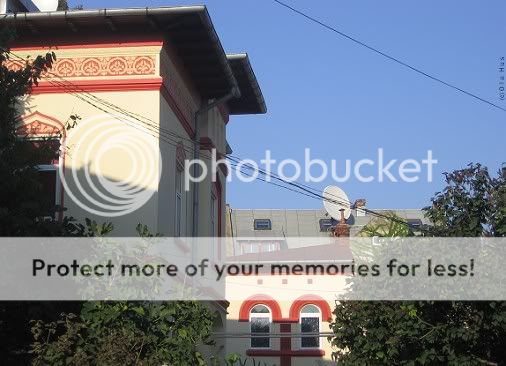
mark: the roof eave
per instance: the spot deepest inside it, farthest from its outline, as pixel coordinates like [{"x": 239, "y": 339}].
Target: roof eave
[
  {"x": 200, "y": 10},
  {"x": 252, "y": 80}
]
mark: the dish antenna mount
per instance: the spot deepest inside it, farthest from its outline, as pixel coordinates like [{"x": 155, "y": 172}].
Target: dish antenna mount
[{"x": 336, "y": 203}]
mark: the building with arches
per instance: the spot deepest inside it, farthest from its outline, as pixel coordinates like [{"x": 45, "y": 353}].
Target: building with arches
[{"x": 283, "y": 319}]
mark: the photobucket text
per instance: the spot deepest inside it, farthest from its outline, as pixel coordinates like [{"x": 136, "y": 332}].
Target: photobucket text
[{"x": 311, "y": 170}]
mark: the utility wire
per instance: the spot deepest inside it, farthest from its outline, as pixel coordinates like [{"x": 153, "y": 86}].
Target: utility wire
[
  {"x": 391, "y": 58},
  {"x": 155, "y": 130},
  {"x": 320, "y": 197}
]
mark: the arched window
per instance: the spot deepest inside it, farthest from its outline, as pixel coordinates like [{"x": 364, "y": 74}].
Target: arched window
[
  {"x": 310, "y": 320},
  {"x": 260, "y": 322}
]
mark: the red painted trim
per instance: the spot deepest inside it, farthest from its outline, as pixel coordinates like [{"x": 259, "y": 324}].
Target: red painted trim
[
  {"x": 316, "y": 300},
  {"x": 207, "y": 144},
  {"x": 224, "y": 112},
  {"x": 285, "y": 344},
  {"x": 285, "y": 328},
  {"x": 178, "y": 64},
  {"x": 290, "y": 353},
  {"x": 219, "y": 197},
  {"x": 36, "y": 116},
  {"x": 32, "y": 116},
  {"x": 187, "y": 125},
  {"x": 266, "y": 300},
  {"x": 108, "y": 85}
]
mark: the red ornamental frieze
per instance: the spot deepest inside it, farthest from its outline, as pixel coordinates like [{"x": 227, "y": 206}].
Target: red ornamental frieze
[
  {"x": 98, "y": 66},
  {"x": 37, "y": 128}
]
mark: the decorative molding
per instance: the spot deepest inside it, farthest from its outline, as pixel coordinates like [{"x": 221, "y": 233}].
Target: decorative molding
[
  {"x": 38, "y": 124},
  {"x": 89, "y": 86},
  {"x": 72, "y": 67}
]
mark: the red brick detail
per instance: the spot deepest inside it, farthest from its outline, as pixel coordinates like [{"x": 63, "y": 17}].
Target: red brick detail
[
  {"x": 298, "y": 304},
  {"x": 285, "y": 342},
  {"x": 266, "y": 300}
]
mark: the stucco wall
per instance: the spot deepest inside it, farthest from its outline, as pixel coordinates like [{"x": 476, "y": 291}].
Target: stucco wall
[{"x": 286, "y": 296}]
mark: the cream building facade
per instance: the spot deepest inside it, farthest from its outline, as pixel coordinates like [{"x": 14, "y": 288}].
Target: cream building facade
[
  {"x": 134, "y": 94},
  {"x": 283, "y": 318},
  {"x": 145, "y": 84}
]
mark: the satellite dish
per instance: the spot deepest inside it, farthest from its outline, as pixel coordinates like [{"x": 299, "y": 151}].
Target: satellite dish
[
  {"x": 336, "y": 200},
  {"x": 46, "y": 5}
]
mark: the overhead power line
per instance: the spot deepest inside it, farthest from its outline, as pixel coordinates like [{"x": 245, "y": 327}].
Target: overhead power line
[
  {"x": 384, "y": 54},
  {"x": 152, "y": 128},
  {"x": 318, "y": 196}
]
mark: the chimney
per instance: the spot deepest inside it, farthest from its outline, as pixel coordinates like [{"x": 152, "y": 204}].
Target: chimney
[
  {"x": 342, "y": 229},
  {"x": 360, "y": 207}
]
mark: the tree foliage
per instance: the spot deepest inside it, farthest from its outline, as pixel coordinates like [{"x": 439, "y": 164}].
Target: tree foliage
[
  {"x": 434, "y": 333},
  {"x": 125, "y": 333},
  {"x": 388, "y": 225},
  {"x": 116, "y": 333}
]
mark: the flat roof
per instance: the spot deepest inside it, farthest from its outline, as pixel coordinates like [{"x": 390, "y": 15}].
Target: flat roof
[{"x": 189, "y": 30}]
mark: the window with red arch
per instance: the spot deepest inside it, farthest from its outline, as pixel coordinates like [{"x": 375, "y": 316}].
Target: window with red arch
[
  {"x": 322, "y": 304},
  {"x": 38, "y": 131},
  {"x": 260, "y": 321},
  {"x": 268, "y": 301},
  {"x": 310, "y": 320}
]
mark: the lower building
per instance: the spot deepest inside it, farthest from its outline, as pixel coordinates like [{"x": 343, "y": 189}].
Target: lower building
[{"x": 280, "y": 318}]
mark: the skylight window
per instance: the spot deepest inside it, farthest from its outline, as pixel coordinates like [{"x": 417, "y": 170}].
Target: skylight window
[{"x": 262, "y": 224}]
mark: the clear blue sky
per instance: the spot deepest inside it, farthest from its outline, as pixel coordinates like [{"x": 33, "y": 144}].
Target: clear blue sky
[{"x": 343, "y": 101}]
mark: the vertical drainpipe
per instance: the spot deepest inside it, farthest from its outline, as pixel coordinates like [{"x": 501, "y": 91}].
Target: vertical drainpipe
[{"x": 234, "y": 93}]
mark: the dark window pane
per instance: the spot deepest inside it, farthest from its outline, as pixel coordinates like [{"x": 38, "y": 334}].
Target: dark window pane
[
  {"x": 260, "y": 309},
  {"x": 262, "y": 224},
  {"x": 48, "y": 183},
  {"x": 310, "y": 309},
  {"x": 327, "y": 224},
  {"x": 260, "y": 326},
  {"x": 414, "y": 224},
  {"x": 46, "y": 151},
  {"x": 310, "y": 325}
]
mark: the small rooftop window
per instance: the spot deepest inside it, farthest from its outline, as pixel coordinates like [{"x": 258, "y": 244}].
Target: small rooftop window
[
  {"x": 262, "y": 224},
  {"x": 414, "y": 224},
  {"x": 327, "y": 224}
]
